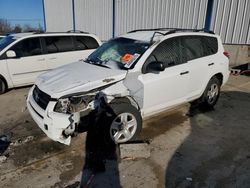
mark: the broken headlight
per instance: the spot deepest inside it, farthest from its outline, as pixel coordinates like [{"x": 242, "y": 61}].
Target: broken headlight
[{"x": 73, "y": 104}]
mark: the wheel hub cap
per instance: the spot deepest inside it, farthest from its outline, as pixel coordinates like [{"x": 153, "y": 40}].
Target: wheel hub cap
[
  {"x": 123, "y": 127},
  {"x": 212, "y": 93}
]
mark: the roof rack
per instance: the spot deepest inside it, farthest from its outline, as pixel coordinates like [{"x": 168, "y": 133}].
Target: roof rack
[
  {"x": 194, "y": 30},
  {"x": 170, "y": 31},
  {"x": 154, "y": 29},
  {"x": 76, "y": 31},
  {"x": 51, "y": 32}
]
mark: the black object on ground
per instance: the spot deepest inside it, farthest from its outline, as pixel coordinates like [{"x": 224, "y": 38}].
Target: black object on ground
[{"x": 4, "y": 143}]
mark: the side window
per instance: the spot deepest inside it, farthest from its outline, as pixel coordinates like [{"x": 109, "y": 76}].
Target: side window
[
  {"x": 85, "y": 42},
  {"x": 169, "y": 52},
  {"x": 27, "y": 47},
  {"x": 58, "y": 44},
  {"x": 210, "y": 45},
  {"x": 192, "y": 46}
]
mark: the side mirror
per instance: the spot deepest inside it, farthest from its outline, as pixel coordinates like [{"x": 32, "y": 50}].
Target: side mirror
[
  {"x": 155, "y": 66},
  {"x": 11, "y": 54}
]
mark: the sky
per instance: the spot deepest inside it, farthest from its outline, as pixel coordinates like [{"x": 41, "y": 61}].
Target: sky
[{"x": 22, "y": 12}]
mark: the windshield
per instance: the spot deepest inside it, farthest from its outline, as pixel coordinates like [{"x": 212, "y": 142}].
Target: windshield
[
  {"x": 122, "y": 52},
  {"x": 6, "y": 41}
]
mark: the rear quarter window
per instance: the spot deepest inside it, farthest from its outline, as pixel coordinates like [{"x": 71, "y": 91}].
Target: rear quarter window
[
  {"x": 85, "y": 42},
  {"x": 198, "y": 46},
  {"x": 210, "y": 45}
]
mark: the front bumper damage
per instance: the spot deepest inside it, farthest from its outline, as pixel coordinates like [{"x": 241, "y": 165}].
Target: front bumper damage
[
  {"x": 60, "y": 126},
  {"x": 56, "y": 126}
]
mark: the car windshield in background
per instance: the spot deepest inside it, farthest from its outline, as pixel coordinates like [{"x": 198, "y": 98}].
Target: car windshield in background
[
  {"x": 122, "y": 52},
  {"x": 6, "y": 41}
]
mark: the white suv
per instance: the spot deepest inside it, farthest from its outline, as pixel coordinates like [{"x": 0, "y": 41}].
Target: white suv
[
  {"x": 130, "y": 77},
  {"x": 24, "y": 56}
]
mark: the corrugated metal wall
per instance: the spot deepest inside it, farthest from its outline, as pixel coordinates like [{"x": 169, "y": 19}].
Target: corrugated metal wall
[
  {"x": 136, "y": 14},
  {"x": 58, "y": 15},
  {"x": 231, "y": 20},
  {"x": 94, "y": 16}
]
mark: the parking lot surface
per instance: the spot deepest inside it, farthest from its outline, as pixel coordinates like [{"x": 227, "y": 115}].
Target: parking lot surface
[{"x": 204, "y": 149}]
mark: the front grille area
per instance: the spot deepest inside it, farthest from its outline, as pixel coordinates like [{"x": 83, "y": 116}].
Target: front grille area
[{"x": 41, "y": 98}]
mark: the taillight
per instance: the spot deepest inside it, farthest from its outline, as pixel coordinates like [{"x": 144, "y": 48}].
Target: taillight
[{"x": 226, "y": 54}]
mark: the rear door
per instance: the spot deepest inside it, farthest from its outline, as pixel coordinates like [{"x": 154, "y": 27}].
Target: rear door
[
  {"x": 28, "y": 63},
  {"x": 200, "y": 60},
  {"x": 62, "y": 50}
]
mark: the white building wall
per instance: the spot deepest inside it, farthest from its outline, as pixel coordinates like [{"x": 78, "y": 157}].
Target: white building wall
[
  {"x": 94, "y": 16},
  {"x": 139, "y": 14},
  {"x": 231, "y": 20},
  {"x": 58, "y": 15}
]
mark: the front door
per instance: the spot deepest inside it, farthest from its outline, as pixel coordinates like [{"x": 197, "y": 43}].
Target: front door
[
  {"x": 167, "y": 88},
  {"x": 28, "y": 63}
]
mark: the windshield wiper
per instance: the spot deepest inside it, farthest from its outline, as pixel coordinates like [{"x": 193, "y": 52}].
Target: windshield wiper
[
  {"x": 101, "y": 65},
  {"x": 98, "y": 63},
  {"x": 88, "y": 60}
]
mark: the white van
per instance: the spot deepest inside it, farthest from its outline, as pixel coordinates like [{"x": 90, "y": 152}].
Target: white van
[{"x": 24, "y": 56}]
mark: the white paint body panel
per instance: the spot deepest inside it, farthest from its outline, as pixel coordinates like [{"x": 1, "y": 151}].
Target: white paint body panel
[
  {"x": 166, "y": 89},
  {"x": 24, "y": 70},
  {"x": 76, "y": 77}
]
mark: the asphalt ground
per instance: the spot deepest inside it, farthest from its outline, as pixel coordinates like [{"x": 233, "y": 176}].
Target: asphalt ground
[{"x": 207, "y": 149}]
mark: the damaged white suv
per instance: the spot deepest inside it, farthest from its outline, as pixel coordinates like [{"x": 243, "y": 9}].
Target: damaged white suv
[{"x": 137, "y": 75}]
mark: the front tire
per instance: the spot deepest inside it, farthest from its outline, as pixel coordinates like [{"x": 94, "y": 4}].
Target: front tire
[
  {"x": 3, "y": 86},
  {"x": 126, "y": 122},
  {"x": 211, "y": 94}
]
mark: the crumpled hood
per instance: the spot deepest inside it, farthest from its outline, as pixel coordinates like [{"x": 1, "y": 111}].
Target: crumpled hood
[{"x": 77, "y": 77}]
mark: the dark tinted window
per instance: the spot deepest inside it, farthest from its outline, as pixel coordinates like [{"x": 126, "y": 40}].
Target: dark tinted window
[
  {"x": 210, "y": 45},
  {"x": 168, "y": 52},
  {"x": 198, "y": 46},
  {"x": 59, "y": 44},
  {"x": 193, "y": 47},
  {"x": 85, "y": 42},
  {"x": 27, "y": 47}
]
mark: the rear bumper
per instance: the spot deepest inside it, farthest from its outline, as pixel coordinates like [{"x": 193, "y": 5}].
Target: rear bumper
[{"x": 52, "y": 123}]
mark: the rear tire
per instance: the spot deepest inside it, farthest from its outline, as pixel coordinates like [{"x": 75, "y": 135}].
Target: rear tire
[
  {"x": 3, "y": 86},
  {"x": 211, "y": 94}
]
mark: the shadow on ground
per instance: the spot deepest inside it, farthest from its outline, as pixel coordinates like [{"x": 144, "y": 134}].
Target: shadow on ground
[
  {"x": 101, "y": 160},
  {"x": 216, "y": 153}
]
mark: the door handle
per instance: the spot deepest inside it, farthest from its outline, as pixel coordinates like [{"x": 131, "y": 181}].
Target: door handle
[
  {"x": 186, "y": 72},
  {"x": 210, "y": 64},
  {"x": 43, "y": 59},
  {"x": 52, "y": 58}
]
